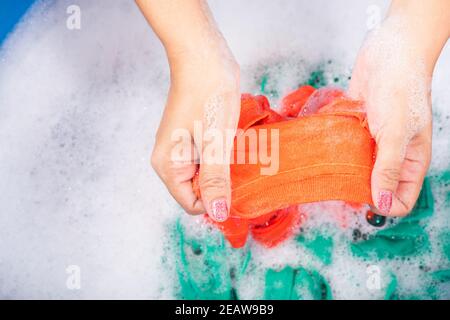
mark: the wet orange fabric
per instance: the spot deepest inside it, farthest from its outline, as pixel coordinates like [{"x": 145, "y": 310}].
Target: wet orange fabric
[
  {"x": 327, "y": 155},
  {"x": 293, "y": 102}
]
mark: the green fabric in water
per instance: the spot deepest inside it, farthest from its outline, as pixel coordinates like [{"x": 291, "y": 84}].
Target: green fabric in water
[
  {"x": 296, "y": 284},
  {"x": 407, "y": 238},
  {"x": 279, "y": 284},
  {"x": 208, "y": 269},
  {"x": 393, "y": 292},
  {"x": 391, "y": 289},
  {"x": 319, "y": 245},
  {"x": 311, "y": 285},
  {"x": 204, "y": 267},
  {"x": 445, "y": 242},
  {"x": 444, "y": 179},
  {"x": 441, "y": 275}
]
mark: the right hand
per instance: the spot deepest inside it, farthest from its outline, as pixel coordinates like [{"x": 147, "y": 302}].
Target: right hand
[
  {"x": 393, "y": 77},
  {"x": 204, "y": 90}
]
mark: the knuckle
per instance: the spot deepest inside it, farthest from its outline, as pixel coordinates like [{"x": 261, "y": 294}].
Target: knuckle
[
  {"x": 153, "y": 161},
  {"x": 156, "y": 159},
  {"x": 209, "y": 181},
  {"x": 407, "y": 211},
  {"x": 387, "y": 134},
  {"x": 407, "y": 208},
  {"x": 157, "y": 162},
  {"x": 403, "y": 208},
  {"x": 190, "y": 208},
  {"x": 389, "y": 175}
]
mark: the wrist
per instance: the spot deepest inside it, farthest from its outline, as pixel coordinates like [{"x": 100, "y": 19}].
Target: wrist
[
  {"x": 198, "y": 50},
  {"x": 209, "y": 61},
  {"x": 421, "y": 26}
]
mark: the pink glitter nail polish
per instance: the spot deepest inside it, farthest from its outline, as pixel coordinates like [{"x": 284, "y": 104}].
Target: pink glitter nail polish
[
  {"x": 384, "y": 201},
  {"x": 219, "y": 210}
]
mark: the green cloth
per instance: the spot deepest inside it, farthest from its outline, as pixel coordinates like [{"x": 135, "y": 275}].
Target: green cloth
[
  {"x": 406, "y": 238},
  {"x": 434, "y": 279},
  {"x": 203, "y": 268},
  {"x": 208, "y": 269},
  {"x": 296, "y": 284},
  {"x": 319, "y": 245}
]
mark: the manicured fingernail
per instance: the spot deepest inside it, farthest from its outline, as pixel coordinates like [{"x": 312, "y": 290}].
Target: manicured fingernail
[
  {"x": 219, "y": 210},
  {"x": 384, "y": 201},
  {"x": 375, "y": 219}
]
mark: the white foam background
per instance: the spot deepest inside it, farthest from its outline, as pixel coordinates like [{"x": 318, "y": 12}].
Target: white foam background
[{"x": 78, "y": 114}]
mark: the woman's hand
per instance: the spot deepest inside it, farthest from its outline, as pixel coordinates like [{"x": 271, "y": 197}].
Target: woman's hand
[
  {"x": 203, "y": 103},
  {"x": 393, "y": 76},
  {"x": 202, "y": 109}
]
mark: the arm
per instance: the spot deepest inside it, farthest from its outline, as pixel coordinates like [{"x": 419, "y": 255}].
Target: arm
[
  {"x": 428, "y": 24},
  {"x": 185, "y": 28}
]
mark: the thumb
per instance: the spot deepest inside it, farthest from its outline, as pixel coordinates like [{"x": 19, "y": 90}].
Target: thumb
[
  {"x": 387, "y": 169},
  {"x": 220, "y": 120},
  {"x": 214, "y": 180}
]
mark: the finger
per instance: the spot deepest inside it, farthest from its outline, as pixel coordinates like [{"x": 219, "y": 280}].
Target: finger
[
  {"x": 387, "y": 168},
  {"x": 215, "y": 188},
  {"x": 405, "y": 198},
  {"x": 179, "y": 185},
  {"x": 414, "y": 168},
  {"x": 183, "y": 194},
  {"x": 173, "y": 158},
  {"x": 177, "y": 176},
  {"x": 220, "y": 122}
]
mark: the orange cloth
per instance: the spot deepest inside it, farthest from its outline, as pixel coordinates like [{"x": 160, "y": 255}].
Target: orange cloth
[
  {"x": 327, "y": 155},
  {"x": 293, "y": 102}
]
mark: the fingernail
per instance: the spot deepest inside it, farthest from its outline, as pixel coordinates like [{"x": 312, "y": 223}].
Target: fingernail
[
  {"x": 219, "y": 210},
  {"x": 384, "y": 201}
]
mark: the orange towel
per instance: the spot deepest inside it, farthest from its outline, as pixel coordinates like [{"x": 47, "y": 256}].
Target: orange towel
[{"x": 327, "y": 155}]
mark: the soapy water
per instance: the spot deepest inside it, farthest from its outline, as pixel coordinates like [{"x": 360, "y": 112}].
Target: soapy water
[{"x": 78, "y": 114}]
